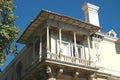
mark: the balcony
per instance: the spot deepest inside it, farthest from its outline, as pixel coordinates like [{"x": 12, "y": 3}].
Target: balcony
[{"x": 68, "y": 59}]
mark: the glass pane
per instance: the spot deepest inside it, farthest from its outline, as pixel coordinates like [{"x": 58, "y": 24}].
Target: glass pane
[
  {"x": 79, "y": 52},
  {"x": 64, "y": 49},
  {"x": 74, "y": 51}
]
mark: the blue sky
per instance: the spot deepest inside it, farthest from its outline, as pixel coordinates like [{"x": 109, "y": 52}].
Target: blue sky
[{"x": 27, "y": 10}]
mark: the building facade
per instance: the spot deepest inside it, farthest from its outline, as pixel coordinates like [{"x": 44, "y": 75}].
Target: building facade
[{"x": 59, "y": 47}]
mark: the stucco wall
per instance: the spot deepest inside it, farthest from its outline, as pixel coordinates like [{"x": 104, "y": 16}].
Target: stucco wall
[{"x": 109, "y": 57}]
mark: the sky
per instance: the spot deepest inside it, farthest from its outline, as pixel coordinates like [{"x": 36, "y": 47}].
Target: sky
[{"x": 27, "y": 10}]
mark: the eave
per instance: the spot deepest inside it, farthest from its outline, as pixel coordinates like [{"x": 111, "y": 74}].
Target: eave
[{"x": 45, "y": 15}]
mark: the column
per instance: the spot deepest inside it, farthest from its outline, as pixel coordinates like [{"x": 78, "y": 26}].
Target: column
[
  {"x": 94, "y": 52},
  {"x": 48, "y": 46},
  {"x": 88, "y": 40},
  {"x": 76, "y": 53},
  {"x": 40, "y": 46},
  {"x": 60, "y": 41}
]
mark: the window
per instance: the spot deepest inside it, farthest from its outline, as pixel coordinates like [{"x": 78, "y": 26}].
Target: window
[
  {"x": 78, "y": 42},
  {"x": 79, "y": 51},
  {"x": 79, "y": 48},
  {"x": 111, "y": 34},
  {"x": 73, "y": 51},
  {"x": 64, "y": 48}
]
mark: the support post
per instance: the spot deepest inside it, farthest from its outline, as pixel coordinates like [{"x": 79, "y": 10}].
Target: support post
[
  {"x": 75, "y": 75},
  {"x": 49, "y": 72},
  {"x": 59, "y": 73},
  {"x": 92, "y": 77}
]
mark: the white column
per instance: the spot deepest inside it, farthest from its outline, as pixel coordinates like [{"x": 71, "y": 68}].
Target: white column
[
  {"x": 40, "y": 46},
  {"x": 60, "y": 41},
  {"x": 48, "y": 46},
  {"x": 75, "y": 76},
  {"x": 59, "y": 73},
  {"x": 88, "y": 39},
  {"x": 94, "y": 58},
  {"x": 76, "y": 53}
]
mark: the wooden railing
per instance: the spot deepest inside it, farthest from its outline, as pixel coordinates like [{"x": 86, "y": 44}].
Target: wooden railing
[{"x": 68, "y": 59}]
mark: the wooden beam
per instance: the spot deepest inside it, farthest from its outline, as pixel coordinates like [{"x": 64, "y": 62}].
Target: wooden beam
[
  {"x": 59, "y": 73},
  {"x": 92, "y": 76},
  {"x": 75, "y": 75},
  {"x": 49, "y": 72}
]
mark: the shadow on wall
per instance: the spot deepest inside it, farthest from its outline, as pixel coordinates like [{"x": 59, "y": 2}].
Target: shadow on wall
[{"x": 117, "y": 48}]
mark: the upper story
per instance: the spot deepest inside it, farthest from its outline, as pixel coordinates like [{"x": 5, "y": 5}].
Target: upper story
[{"x": 60, "y": 39}]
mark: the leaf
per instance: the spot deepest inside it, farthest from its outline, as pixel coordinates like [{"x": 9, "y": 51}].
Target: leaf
[{"x": 8, "y": 30}]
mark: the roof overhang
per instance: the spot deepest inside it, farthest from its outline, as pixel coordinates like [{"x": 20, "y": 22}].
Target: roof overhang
[{"x": 45, "y": 15}]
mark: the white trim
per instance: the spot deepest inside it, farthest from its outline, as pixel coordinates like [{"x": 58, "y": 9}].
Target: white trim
[{"x": 48, "y": 47}]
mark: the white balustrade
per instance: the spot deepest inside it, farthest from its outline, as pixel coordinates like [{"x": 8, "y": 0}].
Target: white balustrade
[{"x": 68, "y": 59}]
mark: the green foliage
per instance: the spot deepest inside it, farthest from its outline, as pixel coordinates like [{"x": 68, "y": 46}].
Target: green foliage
[{"x": 8, "y": 30}]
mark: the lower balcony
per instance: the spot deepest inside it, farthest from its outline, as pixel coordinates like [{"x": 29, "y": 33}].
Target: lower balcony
[{"x": 68, "y": 59}]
